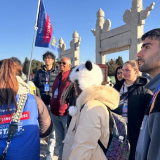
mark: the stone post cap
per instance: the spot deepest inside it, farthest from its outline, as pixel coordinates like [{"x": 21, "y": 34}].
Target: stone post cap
[
  {"x": 61, "y": 41},
  {"x": 100, "y": 13},
  {"x": 137, "y": 4},
  {"x": 75, "y": 34}
]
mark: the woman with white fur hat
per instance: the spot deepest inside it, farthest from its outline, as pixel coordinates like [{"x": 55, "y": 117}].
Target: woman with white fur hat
[{"x": 90, "y": 119}]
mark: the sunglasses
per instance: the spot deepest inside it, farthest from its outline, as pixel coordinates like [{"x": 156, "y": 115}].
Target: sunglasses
[{"x": 64, "y": 63}]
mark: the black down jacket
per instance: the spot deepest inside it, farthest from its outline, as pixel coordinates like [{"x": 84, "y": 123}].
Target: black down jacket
[{"x": 40, "y": 81}]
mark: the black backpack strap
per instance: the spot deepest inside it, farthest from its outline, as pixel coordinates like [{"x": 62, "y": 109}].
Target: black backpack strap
[
  {"x": 82, "y": 107},
  {"x": 111, "y": 124}
]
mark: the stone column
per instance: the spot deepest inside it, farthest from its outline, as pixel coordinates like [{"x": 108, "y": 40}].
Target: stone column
[
  {"x": 74, "y": 44},
  {"x": 100, "y": 59},
  {"x": 136, "y": 19},
  {"x": 136, "y": 29},
  {"x": 62, "y": 47}
]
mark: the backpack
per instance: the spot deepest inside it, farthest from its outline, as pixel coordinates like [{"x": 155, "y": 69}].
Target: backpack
[{"x": 118, "y": 146}]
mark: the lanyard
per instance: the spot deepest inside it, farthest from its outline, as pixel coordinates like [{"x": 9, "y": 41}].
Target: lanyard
[
  {"x": 155, "y": 94},
  {"x": 125, "y": 97},
  {"x": 47, "y": 74}
]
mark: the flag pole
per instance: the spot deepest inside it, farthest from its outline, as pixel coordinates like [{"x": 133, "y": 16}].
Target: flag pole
[{"x": 33, "y": 43}]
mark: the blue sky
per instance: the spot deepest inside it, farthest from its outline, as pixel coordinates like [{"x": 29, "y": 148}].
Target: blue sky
[{"x": 18, "y": 18}]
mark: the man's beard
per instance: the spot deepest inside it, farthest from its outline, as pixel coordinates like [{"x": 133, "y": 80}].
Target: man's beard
[
  {"x": 144, "y": 67},
  {"x": 149, "y": 64}
]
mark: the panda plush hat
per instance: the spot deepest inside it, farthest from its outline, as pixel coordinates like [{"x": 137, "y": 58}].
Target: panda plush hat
[{"x": 87, "y": 75}]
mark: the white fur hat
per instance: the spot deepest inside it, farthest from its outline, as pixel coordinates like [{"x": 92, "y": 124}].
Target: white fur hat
[{"x": 88, "y": 74}]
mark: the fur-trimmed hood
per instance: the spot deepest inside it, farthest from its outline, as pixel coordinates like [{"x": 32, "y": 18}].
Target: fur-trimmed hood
[
  {"x": 107, "y": 95},
  {"x": 23, "y": 87}
]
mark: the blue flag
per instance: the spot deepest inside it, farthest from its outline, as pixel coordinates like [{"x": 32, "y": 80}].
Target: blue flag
[{"x": 45, "y": 37}]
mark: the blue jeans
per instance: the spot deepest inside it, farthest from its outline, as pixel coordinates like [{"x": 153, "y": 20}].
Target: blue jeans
[
  {"x": 52, "y": 146},
  {"x": 60, "y": 126}
]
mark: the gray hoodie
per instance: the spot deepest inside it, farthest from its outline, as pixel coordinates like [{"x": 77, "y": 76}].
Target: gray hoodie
[{"x": 148, "y": 146}]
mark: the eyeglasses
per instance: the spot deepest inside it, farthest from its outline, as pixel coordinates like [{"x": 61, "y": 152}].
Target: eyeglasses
[{"x": 64, "y": 63}]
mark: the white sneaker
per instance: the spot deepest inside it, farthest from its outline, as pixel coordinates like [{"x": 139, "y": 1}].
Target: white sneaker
[{"x": 49, "y": 157}]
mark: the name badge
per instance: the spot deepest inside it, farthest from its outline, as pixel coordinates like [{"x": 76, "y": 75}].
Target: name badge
[
  {"x": 46, "y": 87},
  {"x": 56, "y": 93}
]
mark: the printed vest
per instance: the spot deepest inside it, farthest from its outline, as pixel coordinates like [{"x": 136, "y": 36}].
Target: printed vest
[{"x": 26, "y": 142}]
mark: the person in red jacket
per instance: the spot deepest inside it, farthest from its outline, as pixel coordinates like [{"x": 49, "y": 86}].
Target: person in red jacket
[{"x": 58, "y": 109}]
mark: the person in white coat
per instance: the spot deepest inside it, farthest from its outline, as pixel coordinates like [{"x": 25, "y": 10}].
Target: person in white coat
[{"x": 90, "y": 119}]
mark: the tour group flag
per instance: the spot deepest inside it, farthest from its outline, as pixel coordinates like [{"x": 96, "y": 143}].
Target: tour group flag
[{"x": 45, "y": 36}]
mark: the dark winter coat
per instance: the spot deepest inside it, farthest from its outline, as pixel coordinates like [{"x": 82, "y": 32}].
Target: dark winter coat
[
  {"x": 40, "y": 81},
  {"x": 138, "y": 100}
]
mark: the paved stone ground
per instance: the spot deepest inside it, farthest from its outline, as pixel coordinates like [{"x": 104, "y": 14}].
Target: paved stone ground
[{"x": 43, "y": 151}]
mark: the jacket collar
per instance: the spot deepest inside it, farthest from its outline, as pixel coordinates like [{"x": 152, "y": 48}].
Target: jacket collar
[
  {"x": 107, "y": 95},
  {"x": 154, "y": 83},
  {"x": 141, "y": 81},
  {"x": 64, "y": 75},
  {"x": 45, "y": 69}
]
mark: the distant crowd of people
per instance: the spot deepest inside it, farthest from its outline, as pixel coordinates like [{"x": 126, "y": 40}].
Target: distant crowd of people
[{"x": 78, "y": 112}]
